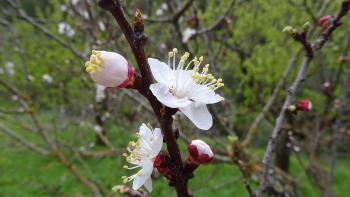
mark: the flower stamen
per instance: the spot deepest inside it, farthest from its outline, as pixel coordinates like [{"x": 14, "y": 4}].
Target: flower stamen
[{"x": 95, "y": 63}]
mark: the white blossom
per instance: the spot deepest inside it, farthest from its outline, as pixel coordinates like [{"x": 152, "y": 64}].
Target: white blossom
[
  {"x": 64, "y": 8},
  {"x": 100, "y": 93},
  {"x": 109, "y": 69},
  {"x": 142, "y": 155},
  {"x": 65, "y": 28},
  {"x": 47, "y": 78},
  {"x": 101, "y": 25},
  {"x": 98, "y": 128},
  {"x": 10, "y": 68},
  {"x": 74, "y": 2},
  {"x": 187, "y": 34},
  {"x": 159, "y": 12},
  {"x": 187, "y": 89},
  {"x": 164, "y": 6},
  {"x": 30, "y": 77}
]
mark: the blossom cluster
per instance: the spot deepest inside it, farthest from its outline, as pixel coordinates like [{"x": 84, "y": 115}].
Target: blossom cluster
[{"x": 186, "y": 86}]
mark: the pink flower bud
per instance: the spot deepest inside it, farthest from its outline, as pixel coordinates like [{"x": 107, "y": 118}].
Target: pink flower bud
[
  {"x": 304, "y": 105},
  {"x": 200, "y": 151},
  {"x": 109, "y": 69},
  {"x": 325, "y": 20}
]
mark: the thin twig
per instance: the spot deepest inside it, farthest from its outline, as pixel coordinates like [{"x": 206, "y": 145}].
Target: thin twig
[{"x": 292, "y": 90}]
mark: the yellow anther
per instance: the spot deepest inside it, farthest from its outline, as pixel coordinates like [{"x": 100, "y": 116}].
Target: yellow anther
[
  {"x": 206, "y": 68},
  {"x": 95, "y": 63},
  {"x": 175, "y": 50},
  {"x": 125, "y": 167},
  {"x": 181, "y": 62},
  {"x": 139, "y": 173},
  {"x": 187, "y": 54},
  {"x": 125, "y": 180},
  {"x": 196, "y": 62},
  {"x": 201, "y": 59},
  {"x": 219, "y": 80},
  {"x": 171, "y": 54}
]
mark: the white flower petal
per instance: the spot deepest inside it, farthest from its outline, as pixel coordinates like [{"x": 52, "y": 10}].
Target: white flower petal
[
  {"x": 163, "y": 95},
  {"x": 114, "y": 71},
  {"x": 138, "y": 182},
  {"x": 198, "y": 113},
  {"x": 147, "y": 168},
  {"x": 145, "y": 133},
  {"x": 203, "y": 94},
  {"x": 161, "y": 72},
  {"x": 148, "y": 184},
  {"x": 158, "y": 143}
]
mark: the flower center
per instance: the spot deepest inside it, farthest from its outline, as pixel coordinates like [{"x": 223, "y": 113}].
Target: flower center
[
  {"x": 95, "y": 63},
  {"x": 201, "y": 78}
]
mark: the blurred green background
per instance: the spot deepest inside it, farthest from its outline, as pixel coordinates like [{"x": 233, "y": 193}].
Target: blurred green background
[{"x": 45, "y": 43}]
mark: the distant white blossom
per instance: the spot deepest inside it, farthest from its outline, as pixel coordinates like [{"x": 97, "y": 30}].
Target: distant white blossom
[
  {"x": 98, "y": 128},
  {"x": 101, "y": 25},
  {"x": 159, "y": 12},
  {"x": 10, "y": 68},
  {"x": 74, "y": 2},
  {"x": 30, "y": 77},
  {"x": 187, "y": 34},
  {"x": 47, "y": 78},
  {"x": 164, "y": 6},
  {"x": 65, "y": 28},
  {"x": 100, "y": 93},
  {"x": 63, "y": 8}
]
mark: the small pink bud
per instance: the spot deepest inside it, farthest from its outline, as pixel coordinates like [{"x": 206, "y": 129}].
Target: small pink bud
[
  {"x": 109, "y": 69},
  {"x": 325, "y": 20},
  {"x": 304, "y": 105},
  {"x": 200, "y": 151}
]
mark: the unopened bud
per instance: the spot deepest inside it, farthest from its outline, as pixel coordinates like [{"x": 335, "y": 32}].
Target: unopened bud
[
  {"x": 304, "y": 105},
  {"x": 292, "y": 108},
  {"x": 232, "y": 139},
  {"x": 325, "y": 21},
  {"x": 200, "y": 151},
  {"x": 288, "y": 29},
  {"x": 109, "y": 69},
  {"x": 306, "y": 26}
]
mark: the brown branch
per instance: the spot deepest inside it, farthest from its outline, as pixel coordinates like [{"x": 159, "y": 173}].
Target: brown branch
[
  {"x": 178, "y": 13},
  {"x": 292, "y": 90},
  {"x": 128, "y": 191},
  {"x": 23, "y": 141},
  {"x": 216, "y": 23},
  {"x": 236, "y": 159}
]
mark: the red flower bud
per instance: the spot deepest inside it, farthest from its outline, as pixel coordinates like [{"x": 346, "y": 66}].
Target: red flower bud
[
  {"x": 304, "y": 105},
  {"x": 200, "y": 152},
  {"x": 325, "y": 20},
  {"x": 160, "y": 163},
  {"x": 193, "y": 20}
]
